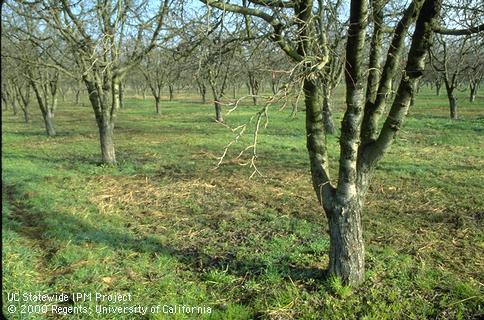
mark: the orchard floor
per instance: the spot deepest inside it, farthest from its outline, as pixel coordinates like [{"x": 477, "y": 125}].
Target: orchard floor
[{"x": 168, "y": 228}]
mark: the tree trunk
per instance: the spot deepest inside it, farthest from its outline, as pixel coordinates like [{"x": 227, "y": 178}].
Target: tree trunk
[
  {"x": 157, "y": 105},
  {"x": 14, "y": 107},
  {"x": 438, "y": 85},
  {"x": 218, "y": 111},
  {"x": 327, "y": 116},
  {"x": 170, "y": 90},
  {"x": 49, "y": 123},
  {"x": 78, "y": 93},
  {"x": 254, "y": 100},
  {"x": 453, "y": 106},
  {"x": 346, "y": 256},
  {"x": 121, "y": 96},
  {"x": 452, "y": 100},
  {"x": 26, "y": 115},
  {"x": 203, "y": 92},
  {"x": 46, "y": 110},
  {"x": 106, "y": 133},
  {"x": 105, "y": 115},
  {"x": 472, "y": 92}
]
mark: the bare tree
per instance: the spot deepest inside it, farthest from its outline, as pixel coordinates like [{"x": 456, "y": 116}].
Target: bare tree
[
  {"x": 362, "y": 143},
  {"x": 153, "y": 70},
  {"x": 449, "y": 59},
  {"x": 106, "y": 39}
]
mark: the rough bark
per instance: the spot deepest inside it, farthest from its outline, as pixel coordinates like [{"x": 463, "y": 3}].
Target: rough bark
[
  {"x": 106, "y": 134},
  {"x": 357, "y": 160},
  {"x": 347, "y": 249},
  {"x": 105, "y": 115}
]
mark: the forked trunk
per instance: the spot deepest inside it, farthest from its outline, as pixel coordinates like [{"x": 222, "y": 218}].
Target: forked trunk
[
  {"x": 343, "y": 213},
  {"x": 347, "y": 250},
  {"x": 105, "y": 115}
]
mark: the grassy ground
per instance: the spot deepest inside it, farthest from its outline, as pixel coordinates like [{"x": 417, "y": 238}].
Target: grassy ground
[{"x": 167, "y": 228}]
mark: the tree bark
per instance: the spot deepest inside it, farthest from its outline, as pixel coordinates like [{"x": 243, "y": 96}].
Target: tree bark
[
  {"x": 157, "y": 105},
  {"x": 106, "y": 133},
  {"x": 472, "y": 92},
  {"x": 104, "y": 117},
  {"x": 218, "y": 111},
  {"x": 453, "y": 106},
  {"x": 121, "y": 96},
  {"x": 49, "y": 123},
  {"x": 452, "y": 99},
  {"x": 26, "y": 115},
  {"x": 346, "y": 256},
  {"x": 46, "y": 109},
  {"x": 170, "y": 89}
]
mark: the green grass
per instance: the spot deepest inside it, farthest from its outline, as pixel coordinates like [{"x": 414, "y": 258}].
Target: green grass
[{"x": 166, "y": 227}]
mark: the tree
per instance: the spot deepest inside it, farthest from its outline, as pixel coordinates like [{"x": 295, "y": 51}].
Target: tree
[
  {"x": 106, "y": 39},
  {"x": 23, "y": 94},
  {"x": 475, "y": 73},
  {"x": 451, "y": 66},
  {"x": 216, "y": 52},
  {"x": 31, "y": 70},
  {"x": 153, "y": 70},
  {"x": 15, "y": 86},
  {"x": 362, "y": 142}
]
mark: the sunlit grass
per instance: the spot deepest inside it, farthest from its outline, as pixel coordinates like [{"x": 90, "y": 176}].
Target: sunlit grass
[{"x": 166, "y": 227}]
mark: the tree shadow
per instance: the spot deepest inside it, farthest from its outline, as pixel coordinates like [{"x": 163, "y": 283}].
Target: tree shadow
[{"x": 31, "y": 223}]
